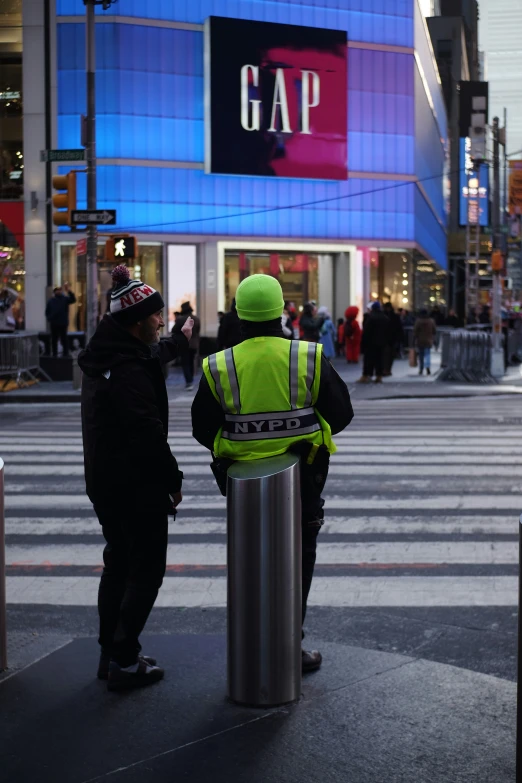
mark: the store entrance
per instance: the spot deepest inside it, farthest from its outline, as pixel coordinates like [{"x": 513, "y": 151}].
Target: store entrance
[{"x": 298, "y": 274}]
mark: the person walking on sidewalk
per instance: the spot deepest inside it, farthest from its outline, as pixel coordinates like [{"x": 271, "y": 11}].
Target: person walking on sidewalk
[
  {"x": 376, "y": 336},
  {"x": 424, "y": 333},
  {"x": 57, "y": 313},
  {"x": 352, "y": 335},
  {"x": 132, "y": 477},
  {"x": 189, "y": 357},
  {"x": 327, "y": 333},
  {"x": 296, "y": 403}
]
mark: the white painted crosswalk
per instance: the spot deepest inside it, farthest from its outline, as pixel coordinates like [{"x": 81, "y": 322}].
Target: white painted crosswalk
[{"x": 422, "y": 510}]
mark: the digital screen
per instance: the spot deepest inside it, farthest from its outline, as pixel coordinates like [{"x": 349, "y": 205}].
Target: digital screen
[
  {"x": 275, "y": 100},
  {"x": 478, "y": 187}
]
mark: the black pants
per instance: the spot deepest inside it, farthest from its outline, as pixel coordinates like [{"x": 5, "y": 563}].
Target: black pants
[
  {"x": 135, "y": 560},
  {"x": 59, "y": 333},
  {"x": 373, "y": 362},
  {"x": 311, "y": 523},
  {"x": 187, "y": 365}
]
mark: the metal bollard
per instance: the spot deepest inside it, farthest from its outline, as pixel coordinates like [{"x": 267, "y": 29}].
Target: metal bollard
[
  {"x": 3, "y": 617},
  {"x": 264, "y": 581}
]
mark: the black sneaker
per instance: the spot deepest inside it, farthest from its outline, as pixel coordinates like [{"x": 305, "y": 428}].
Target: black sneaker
[
  {"x": 103, "y": 666},
  {"x": 310, "y": 660},
  {"x": 138, "y": 676}
]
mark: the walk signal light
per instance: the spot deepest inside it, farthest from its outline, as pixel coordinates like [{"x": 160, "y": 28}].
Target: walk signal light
[
  {"x": 65, "y": 200},
  {"x": 120, "y": 248}
]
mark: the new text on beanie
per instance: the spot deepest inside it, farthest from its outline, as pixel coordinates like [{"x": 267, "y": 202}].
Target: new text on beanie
[{"x": 132, "y": 300}]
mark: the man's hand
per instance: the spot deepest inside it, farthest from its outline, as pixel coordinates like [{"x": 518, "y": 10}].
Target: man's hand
[
  {"x": 176, "y": 499},
  {"x": 187, "y": 328},
  {"x": 66, "y": 287}
]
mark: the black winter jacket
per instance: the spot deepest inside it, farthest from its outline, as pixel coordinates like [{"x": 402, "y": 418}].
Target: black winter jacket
[
  {"x": 229, "y": 333},
  {"x": 377, "y": 331},
  {"x": 57, "y": 310},
  {"x": 128, "y": 462}
]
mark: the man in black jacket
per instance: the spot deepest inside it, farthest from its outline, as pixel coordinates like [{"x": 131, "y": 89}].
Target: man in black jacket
[
  {"x": 132, "y": 478},
  {"x": 376, "y": 336},
  {"x": 57, "y": 313}
]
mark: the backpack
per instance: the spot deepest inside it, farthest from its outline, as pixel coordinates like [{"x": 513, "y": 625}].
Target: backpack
[{"x": 348, "y": 329}]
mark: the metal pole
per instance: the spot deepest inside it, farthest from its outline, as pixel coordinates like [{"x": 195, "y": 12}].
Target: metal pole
[
  {"x": 518, "y": 774},
  {"x": 498, "y": 360},
  {"x": 3, "y": 614},
  {"x": 264, "y": 581},
  {"x": 90, "y": 133},
  {"x": 504, "y": 198}
]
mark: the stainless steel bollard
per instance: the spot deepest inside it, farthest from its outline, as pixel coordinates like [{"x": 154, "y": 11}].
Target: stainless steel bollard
[
  {"x": 3, "y": 617},
  {"x": 264, "y": 581}
]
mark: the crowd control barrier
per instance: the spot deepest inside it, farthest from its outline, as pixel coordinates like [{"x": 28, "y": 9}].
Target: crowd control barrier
[
  {"x": 466, "y": 357},
  {"x": 3, "y": 618},
  {"x": 264, "y": 581},
  {"x": 20, "y": 357}
]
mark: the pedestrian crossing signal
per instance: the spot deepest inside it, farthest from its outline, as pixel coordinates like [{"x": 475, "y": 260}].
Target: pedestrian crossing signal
[{"x": 120, "y": 248}]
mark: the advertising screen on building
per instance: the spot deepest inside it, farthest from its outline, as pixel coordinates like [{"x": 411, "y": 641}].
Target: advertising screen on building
[
  {"x": 478, "y": 189},
  {"x": 275, "y": 100}
]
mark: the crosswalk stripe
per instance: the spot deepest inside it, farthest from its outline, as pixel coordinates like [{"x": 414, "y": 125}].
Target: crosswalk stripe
[
  {"x": 339, "y": 553},
  {"x": 357, "y": 525},
  {"x": 196, "y": 467},
  {"x": 341, "y": 591},
  {"x": 421, "y": 502}
]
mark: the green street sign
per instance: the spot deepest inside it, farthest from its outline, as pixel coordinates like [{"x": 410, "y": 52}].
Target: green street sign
[{"x": 61, "y": 156}]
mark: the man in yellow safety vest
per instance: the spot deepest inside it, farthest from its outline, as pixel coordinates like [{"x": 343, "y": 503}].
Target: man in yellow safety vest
[{"x": 269, "y": 395}]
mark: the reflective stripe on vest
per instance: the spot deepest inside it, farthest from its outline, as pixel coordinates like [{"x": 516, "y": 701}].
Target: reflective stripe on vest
[{"x": 279, "y": 424}]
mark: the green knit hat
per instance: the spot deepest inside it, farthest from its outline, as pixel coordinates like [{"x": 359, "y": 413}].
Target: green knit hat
[{"x": 259, "y": 298}]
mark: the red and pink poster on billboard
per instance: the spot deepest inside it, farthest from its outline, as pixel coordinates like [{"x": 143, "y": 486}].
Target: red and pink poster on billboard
[{"x": 276, "y": 100}]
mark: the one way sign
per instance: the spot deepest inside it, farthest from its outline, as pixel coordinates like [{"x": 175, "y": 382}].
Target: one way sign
[{"x": 105, "y": 217}]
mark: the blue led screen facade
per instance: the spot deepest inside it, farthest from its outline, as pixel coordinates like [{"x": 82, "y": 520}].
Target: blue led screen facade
[{"x": 150, "y": 107}]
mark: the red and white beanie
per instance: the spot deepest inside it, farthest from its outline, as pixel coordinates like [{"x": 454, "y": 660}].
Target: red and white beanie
[{"x": 132, "y": 300}]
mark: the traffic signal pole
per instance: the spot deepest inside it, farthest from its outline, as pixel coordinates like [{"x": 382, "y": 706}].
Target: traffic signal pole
[
  {"x": 497, "y": 358},
  {"x": 90, "y": 145}
]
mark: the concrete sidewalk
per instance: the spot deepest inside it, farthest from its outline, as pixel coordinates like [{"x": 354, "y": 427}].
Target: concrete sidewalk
[
  {"x": 366, "y": 717},
  {"x": 405, "y": 382}
]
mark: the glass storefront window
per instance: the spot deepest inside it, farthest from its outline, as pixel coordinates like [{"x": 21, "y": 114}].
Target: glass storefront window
[
  {"x": 11, "y": 106},
  {"x": 148, "y": 266},
  {"x": 298, "y": 273}
]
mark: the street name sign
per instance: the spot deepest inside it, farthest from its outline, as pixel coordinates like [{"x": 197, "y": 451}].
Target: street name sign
[
  {"x": 105, "y": 217},
  {"x": 61, "y": 156}
]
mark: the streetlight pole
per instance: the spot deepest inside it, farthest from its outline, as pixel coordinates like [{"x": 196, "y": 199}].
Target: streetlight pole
[{"x": 90, "y": 147}]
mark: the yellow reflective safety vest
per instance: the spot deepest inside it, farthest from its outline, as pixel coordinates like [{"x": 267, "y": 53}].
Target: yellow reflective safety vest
[{"x": 267, "y": 388}]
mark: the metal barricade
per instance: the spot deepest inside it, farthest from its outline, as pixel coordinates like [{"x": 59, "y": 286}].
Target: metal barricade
[
  {"x": 20, "y": 357},
  {"x": 264, "y": 581},
  {"x": 3, "y": 613},
  {"x": 466, "y": 357}
]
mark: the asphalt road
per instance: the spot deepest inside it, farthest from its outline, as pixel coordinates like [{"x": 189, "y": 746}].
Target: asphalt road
[{"x": 419, "y": 552}]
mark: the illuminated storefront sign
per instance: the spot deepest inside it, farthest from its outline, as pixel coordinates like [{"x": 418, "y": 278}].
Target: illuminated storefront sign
[
  {"x": 478, "y": 183},
  {"x": 276, "y": 100}
]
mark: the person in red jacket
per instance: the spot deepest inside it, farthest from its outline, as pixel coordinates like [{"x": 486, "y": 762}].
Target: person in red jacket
[{"x": 352, "y": 335}]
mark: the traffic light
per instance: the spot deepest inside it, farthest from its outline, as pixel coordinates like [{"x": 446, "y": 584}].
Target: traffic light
[
  {"x": 66, "y": 200},
  {"x": 120, "y": 248}
]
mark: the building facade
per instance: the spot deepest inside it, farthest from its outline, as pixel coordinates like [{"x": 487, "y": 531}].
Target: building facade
[{"x": 312, "y": 146}]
